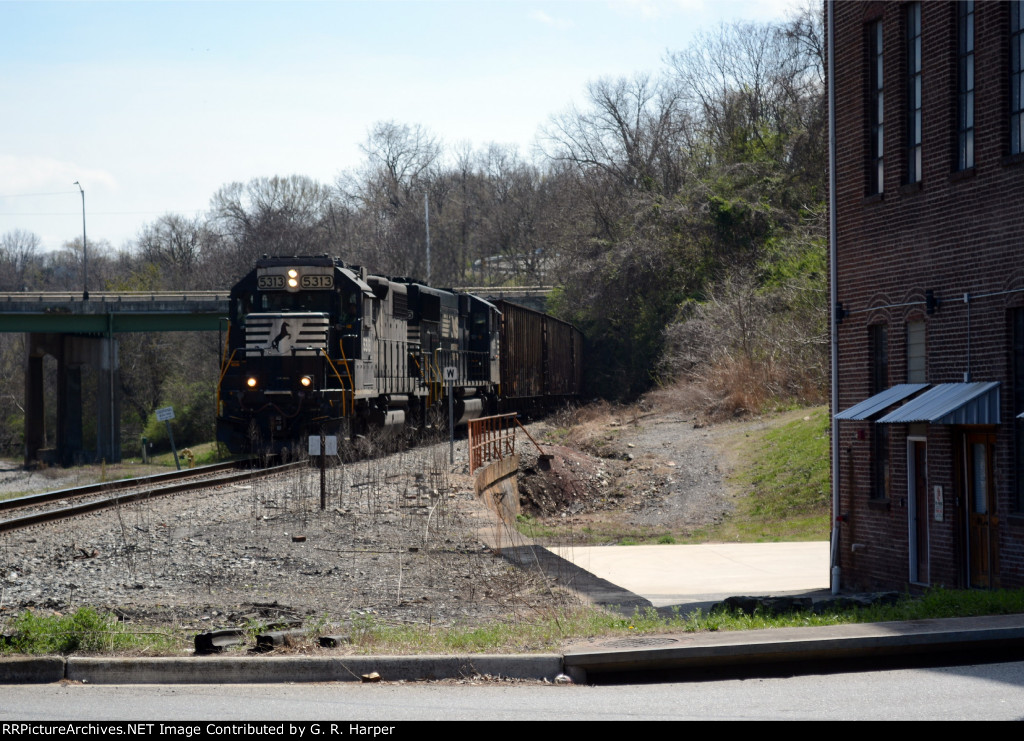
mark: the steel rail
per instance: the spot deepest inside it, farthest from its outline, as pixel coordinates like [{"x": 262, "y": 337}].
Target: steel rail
[
  {"x": 49, "y": 496},
  {"x": 80, "y": 508}
]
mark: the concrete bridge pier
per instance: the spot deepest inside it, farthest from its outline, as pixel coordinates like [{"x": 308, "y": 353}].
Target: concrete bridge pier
[{"x": 73, "y": 353}]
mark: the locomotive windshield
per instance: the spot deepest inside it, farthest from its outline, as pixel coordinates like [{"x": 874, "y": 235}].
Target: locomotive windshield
[
  {"x": 282, "y": 301},
  {"x": 302, "y": 301}
]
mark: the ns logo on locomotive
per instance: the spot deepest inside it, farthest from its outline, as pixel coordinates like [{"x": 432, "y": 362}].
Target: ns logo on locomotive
[{"x": 315, "y": 345}]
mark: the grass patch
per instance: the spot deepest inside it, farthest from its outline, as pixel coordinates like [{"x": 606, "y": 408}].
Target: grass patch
[
  {"x": 613, "y": 533},
  {"x": 783, "y": 481},
  {"x": 600, "y": 532},
  {"x": 84, "y": 631},
  {"x": 548, "y": 632},
  {"x": 533, "y": 528},
  {"x": 202, "y": 455},
  {"x": 89, "y": 631}
]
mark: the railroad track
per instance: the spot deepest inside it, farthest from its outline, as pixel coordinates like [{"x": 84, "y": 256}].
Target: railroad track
[{"x": 66, "y": 503}]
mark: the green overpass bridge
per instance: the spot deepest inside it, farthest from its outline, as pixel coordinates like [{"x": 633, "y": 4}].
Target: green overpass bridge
[{"x": 82, "y": 334}]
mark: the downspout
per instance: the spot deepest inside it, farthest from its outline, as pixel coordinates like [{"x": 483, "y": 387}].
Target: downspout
[{"x": 833, "y": 294}]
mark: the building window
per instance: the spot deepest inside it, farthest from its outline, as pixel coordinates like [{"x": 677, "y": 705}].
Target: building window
[
  {"x": 1016, "y": 79},
  {"x": 915, "y": 352},
  {"x": 965, "y": 85},
  {"x": 914, "y": 93},
  {"x": 876, "y": 110},
  {"x": 878, "y": 347},
  {"x": 878, "y": 344}
]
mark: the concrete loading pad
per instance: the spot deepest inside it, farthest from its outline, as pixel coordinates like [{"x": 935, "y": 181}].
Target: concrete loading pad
[{"x": 694, "y": 574}]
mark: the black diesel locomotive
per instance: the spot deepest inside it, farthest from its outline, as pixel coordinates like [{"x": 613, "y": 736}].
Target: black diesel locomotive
[{"x": 315, "y": 345}]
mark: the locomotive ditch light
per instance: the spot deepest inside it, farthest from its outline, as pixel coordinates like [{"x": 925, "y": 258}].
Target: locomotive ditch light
[
  {"x": 251, "y": 382},
  {"x": 306, "y": 381}
]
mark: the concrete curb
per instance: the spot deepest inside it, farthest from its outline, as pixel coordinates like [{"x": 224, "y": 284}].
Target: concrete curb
[
  {"x": 248, "y": 670},
  {"x": 836, "y": 643},
  {"x": 41, "y": 670}
]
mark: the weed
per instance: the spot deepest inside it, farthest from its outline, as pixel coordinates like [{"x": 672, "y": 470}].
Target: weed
[{"x": 84, "y": 631}]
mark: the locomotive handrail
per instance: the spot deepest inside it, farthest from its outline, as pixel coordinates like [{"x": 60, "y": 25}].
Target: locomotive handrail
[
  {"x": 348, "y": 370},
  {"x": 224, "y": 372},
  {"x": 352, "y": 395}
]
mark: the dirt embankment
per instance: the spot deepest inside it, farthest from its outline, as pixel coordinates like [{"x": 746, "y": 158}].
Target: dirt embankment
[{"x": 626, "y": 472}]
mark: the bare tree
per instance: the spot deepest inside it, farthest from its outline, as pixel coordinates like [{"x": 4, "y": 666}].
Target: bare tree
[
  {"x": 279, "y": 216},
  {"x": 749, "y": 82},
  {"x": 177, "y": 246},
  {"x": 389, "y": 192},
  {"x": 632, "y": 131},
  {"x": 19, "y": 260}
]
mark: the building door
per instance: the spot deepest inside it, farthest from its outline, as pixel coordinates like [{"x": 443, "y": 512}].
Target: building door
[
  {"x": 917, "y": 496},
  {"x": 982, "y": 519}
]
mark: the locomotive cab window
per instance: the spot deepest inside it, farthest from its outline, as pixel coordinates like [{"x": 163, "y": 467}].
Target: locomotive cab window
[
  {"x": 306, "y": 301},
  {"x": 480, "y": 326},
  {"x": 348, "y": 315},
  {"x": 240, "y": 309}
]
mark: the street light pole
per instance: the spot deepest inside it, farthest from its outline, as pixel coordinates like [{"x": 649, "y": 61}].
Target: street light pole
[{"x": 85, "y": 250}]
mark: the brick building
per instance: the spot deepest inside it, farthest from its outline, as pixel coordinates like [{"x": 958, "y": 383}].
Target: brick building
[{"x": 928, "y": 281}]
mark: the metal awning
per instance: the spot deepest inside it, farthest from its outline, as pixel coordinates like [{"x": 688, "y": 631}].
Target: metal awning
[
  {"x": 881, "y": 401},
  {"x": 951, "y": 404}
]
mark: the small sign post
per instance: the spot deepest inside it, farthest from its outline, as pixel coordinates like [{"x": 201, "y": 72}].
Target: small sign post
[
  {"x": 165, "y": 415},
  {"x": 323, "y": 467},
  {"x": 323, "y": 446},
  {"x": 451, "y": 374}
]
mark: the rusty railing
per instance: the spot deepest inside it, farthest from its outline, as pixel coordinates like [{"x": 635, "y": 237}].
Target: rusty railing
[
  {"x": 494, "y": 438},
  {"x": 491, "y": 439}
]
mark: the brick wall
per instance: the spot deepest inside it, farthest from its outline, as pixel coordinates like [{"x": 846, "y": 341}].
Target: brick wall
[{"x": 952, "y": 233}]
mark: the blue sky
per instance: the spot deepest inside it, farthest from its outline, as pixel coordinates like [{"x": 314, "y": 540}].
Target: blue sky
[{"x": 153, "y": 106}]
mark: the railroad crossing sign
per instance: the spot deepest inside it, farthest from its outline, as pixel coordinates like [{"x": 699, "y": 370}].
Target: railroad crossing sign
[{"x": 451, "y": 373}]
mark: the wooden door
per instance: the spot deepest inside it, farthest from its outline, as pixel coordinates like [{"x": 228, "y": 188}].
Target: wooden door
[{"x": 982, "y": 518}]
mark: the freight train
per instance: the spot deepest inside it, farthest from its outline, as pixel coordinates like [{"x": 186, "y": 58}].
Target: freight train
[{"x": 318, "y": 346}]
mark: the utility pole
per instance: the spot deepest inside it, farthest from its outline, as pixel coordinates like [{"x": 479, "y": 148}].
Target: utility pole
[{"x": 426, "y": 219}]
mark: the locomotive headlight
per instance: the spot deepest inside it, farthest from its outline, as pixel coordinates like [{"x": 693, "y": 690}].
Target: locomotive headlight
[
  {"x": 293, "y": 278},
  {"x": 251, "y": 382},
  {"x": 306, "y": 381}
]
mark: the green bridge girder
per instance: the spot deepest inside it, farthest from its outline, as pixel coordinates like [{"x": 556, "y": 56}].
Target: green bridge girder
[{"x": 113, "y": 313}]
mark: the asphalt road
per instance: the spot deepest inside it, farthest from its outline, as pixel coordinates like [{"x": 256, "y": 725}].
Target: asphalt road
[{"x": 973, "y": 692}]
